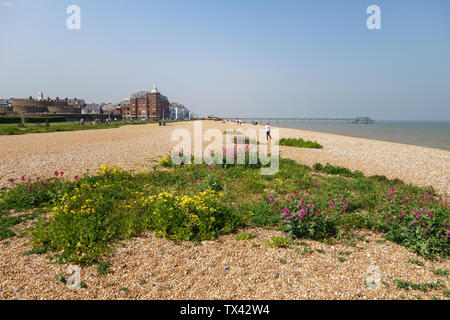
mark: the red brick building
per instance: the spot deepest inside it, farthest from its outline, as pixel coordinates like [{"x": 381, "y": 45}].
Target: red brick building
[{"x": 146, "y": 106}]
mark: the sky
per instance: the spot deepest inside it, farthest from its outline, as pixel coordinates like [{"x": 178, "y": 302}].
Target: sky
[{"x": 236, "y": 58}]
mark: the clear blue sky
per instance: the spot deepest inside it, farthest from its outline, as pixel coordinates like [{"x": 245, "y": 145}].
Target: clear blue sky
[{"x": 235, "y": 57}]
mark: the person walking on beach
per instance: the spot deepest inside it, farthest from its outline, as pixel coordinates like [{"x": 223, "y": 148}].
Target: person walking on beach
[{"x": 268, "y": 131}]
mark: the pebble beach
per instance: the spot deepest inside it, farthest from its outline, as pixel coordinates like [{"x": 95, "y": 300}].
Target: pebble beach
[
  {"x": 138, "y": 147},
  {"x": 154, "y": 268}
]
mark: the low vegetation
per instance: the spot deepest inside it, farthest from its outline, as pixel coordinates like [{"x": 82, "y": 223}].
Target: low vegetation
[
  {"x": 300, "y": 143},
  {"x": 85, "y": 217},
  {"x": 19, "y": 128}
]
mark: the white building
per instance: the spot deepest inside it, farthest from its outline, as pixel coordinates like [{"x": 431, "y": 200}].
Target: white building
[{"x": 178, "y": 111}]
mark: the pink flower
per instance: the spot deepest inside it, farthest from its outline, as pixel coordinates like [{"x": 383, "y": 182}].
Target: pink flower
[
  {"x": 11, "y": 180},
  {"x": 270, "y": 198},
  {"x": 56, "y": 173},
  {"x": 345, "y": 203},
  {"x": 315, "y": 184},
  {"x": 301, "y": 214},
  {"x": 299, "y": 181},
  {"x": 286, "y": 212},
  {"x": 76, "y": 178},
  {"x": 332, "y": 203},
  {"x": 61, "y": 173},
  {"x": 22, "y": 178}
]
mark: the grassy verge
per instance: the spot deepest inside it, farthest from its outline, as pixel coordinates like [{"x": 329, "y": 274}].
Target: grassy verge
[
  {"x": 196, "y": 202},
  {"x": 19, "y": 129},
  {"x": 300, "y": 143}
]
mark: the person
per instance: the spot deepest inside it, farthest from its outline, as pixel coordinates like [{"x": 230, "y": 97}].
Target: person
[
  {"x": 46, "y": 123},
  {"x": 160, "y": 124},
  {"x": 268, "y": 131}
]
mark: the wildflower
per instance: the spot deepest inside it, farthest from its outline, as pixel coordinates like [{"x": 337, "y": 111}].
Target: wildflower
[
  {"x": 76, "y": 178},
  {"x": 345, "y": 203},
  {"x": 56, "y": 173},
  {"x": 447, "y": 233},
  {"x": 315, "y": 184},
  {"x": 301, "y": 214},
  {"x": 270, "y": 198},
  {"x": 393, "y": 191},
  {"x": 11, "y": 180},
  {"x": 285, "y": 213},
  {"x": 332, "y": 203},
  {"x": 299, "y": 181},
  {"x": 22, "y": 178},
  {"x": 61, "y": 173}
]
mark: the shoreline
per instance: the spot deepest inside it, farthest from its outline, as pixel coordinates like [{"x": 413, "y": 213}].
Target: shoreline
[
  {"x": 139, "y": 147},
  {"x": 354, "y": 136}
]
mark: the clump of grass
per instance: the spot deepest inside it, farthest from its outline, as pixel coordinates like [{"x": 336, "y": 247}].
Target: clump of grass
[
  {"x": 337, "y": 170},
  {"x": 61, "y": 278},
  {"x": 103, "y": 268},
  {"x": 416, "y": 262},
  {"x": 279, "y": 242},
  {"x": 300, "y": 143},
  {"x": 245, "y": 236},
  {"x": 236, "y": 132},
  {"x": 425, "y": 287},
  {"x": 441, "y": 272},
  {"x": 305, "y": 251}
]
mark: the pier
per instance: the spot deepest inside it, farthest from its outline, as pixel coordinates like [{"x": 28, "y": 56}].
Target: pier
[{"x": 357, "y": 120}]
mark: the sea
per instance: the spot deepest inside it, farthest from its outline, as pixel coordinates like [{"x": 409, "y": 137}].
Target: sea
[{"x": 432, "y": 134}]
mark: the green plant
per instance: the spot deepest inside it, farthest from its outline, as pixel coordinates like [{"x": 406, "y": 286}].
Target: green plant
[
  {"x": 245, "y": 236},
  {"x": 61, "y": 278},
  {"x": 103, "y": 268},
  {"x": 300, "y": 143},
  {"x": 278, "y": 242},
  {"x": 213, "y": 182},
  {"x": 441, "y": 272},
  {"x": 415, "y": 261}
]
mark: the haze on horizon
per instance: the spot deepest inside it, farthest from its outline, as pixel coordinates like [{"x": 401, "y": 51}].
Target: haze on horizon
[{"x": 312, "y": 58}]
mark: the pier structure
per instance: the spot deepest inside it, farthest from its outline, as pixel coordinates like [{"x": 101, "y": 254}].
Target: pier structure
[{"x": 357, "y": 120}]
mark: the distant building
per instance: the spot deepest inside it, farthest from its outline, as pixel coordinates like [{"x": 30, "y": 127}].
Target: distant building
[
  {"x": 51, "y": 106},
  {"x": 146, "y": 105},
  {"x": 5, "y": 106},
  {"x": 92, "y": 108},
  {"x": 178, "y": 111}
]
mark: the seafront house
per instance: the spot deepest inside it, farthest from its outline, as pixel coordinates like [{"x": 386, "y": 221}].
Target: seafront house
[
  {"x": 177, "y": 111},
  {"x": 92, "y": 108}
]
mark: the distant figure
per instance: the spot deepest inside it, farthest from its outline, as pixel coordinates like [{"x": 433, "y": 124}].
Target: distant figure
[
  {"x": 268, "y": 131},
  {"x": 46, "y": 123},
  {"x": 160, "y": 124},
  {"x": 82, "y": 121}
]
